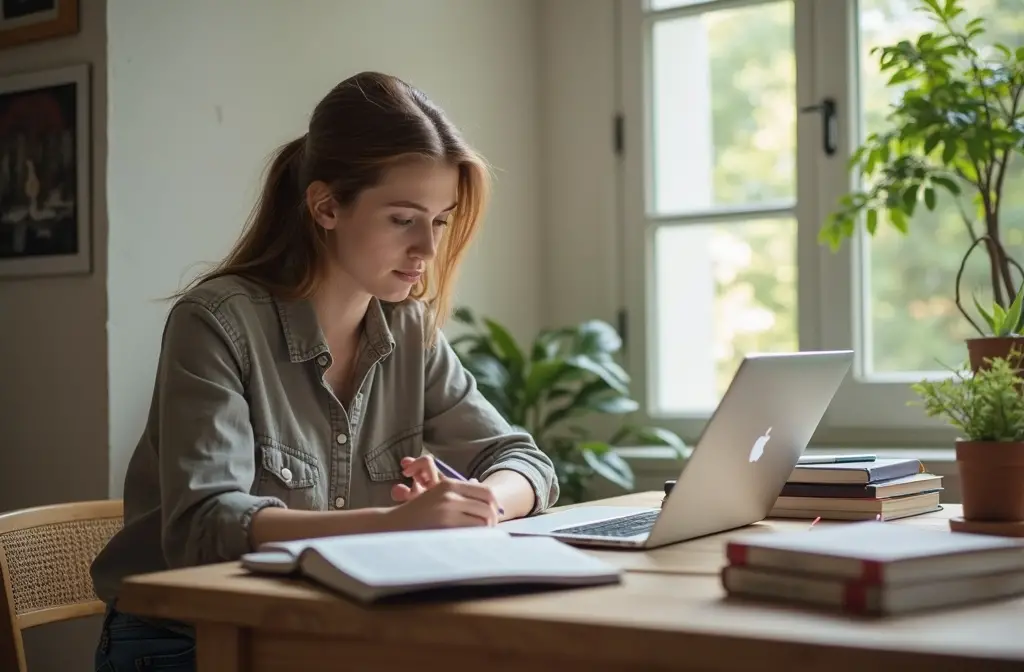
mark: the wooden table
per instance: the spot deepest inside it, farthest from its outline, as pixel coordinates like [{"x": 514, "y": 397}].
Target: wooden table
[{"x": 670, "y": 612}]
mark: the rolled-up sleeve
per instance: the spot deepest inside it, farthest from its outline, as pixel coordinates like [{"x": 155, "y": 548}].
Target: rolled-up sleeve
[
  {"x": 205, "y": 440},
  {"x": 465, "y": 429}
]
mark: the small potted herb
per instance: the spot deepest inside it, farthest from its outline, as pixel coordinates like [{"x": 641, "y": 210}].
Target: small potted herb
[{"x": 987, "y": 407}]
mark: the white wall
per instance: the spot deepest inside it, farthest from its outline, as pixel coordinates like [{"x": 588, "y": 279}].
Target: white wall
[
  {"x": 201, "y": 92},
  {"x": 581, "y": 224}
]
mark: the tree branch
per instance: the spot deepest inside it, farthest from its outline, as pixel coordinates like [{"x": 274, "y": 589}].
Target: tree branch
[
  {"x": 959, "y": 276},
  {"x": 993, "y": 229},
  {"x": 1007, "y": 152}
]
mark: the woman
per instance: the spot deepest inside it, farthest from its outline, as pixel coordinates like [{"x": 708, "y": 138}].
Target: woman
[{"x": 299, "y": 380}]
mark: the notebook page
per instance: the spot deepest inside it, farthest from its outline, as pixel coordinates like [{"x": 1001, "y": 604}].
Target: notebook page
[
  {"x": 298, "y": 545},
  {"x": 441, "y": 558}
]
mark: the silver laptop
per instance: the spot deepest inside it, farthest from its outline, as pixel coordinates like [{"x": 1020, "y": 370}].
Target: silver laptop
[{"x": 738, "y": 467}]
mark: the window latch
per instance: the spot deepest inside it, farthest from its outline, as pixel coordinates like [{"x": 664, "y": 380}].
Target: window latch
[{"x": 829, "y": 124}]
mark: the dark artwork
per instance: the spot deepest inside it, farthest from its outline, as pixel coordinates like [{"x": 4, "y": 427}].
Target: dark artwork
[
  {"x": 38, "y": 181},
  {"x": 16, "y": 9}
]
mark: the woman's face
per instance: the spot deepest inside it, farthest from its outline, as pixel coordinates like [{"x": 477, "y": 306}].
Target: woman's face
[{"x": 387, "y": 237}]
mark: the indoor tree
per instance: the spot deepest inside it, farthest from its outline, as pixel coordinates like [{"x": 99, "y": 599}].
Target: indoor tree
[{"x": 956, "y": 127}]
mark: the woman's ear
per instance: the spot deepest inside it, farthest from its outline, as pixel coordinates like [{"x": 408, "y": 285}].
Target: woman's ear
[{"x": 321, "y": 205}]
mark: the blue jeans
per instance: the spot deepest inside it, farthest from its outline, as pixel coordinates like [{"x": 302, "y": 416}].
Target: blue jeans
[{"x": 128, "y": 644}]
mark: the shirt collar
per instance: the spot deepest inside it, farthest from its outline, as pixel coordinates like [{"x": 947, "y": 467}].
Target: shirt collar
[{"x": 305, "y": 339}]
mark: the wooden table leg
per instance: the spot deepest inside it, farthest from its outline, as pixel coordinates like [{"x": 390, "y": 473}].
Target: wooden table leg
[{"x": 221, "y": 648}]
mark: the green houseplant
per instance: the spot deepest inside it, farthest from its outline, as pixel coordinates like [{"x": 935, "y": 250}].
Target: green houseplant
[
  {"x": 957, "y": 126},
  {"x": 987, "y": 407},
  {"x": 553, "y": 386}
]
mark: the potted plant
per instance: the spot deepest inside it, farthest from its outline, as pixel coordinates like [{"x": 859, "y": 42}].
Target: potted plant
[
  {"x": 565, "y": 377},
  {"x": 987, "y": 407},
  {"x": 958, "y": 124}
]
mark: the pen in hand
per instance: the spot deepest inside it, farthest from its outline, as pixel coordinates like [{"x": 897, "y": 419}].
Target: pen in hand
[{"x": 451, "y": 473}]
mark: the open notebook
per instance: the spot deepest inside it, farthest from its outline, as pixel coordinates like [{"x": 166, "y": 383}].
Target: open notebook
[{"x": 369, "y": 567}]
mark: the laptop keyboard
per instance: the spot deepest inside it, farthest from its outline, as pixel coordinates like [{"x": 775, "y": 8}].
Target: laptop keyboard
[{"x": 626, "y": 526}]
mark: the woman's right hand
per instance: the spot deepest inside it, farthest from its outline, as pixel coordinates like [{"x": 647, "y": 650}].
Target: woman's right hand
[{"x": 447, "y": 504}]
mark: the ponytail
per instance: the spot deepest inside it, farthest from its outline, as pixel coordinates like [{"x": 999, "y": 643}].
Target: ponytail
[{"x": 276, "y": 231}]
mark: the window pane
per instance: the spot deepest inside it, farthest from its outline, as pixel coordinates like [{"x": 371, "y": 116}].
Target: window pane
[
  {"x": 724, "y": 108},
  {"x": 912, "y": 321},
  {"x": 721, "y": 291}
]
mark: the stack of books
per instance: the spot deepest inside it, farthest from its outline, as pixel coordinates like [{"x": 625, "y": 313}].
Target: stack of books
[
  {"x": 873, "y": 568},
  {"x": 880, "y": 489}
]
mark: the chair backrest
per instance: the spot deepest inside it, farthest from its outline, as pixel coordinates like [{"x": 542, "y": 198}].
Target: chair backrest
[{"x": 45, "y": 554}]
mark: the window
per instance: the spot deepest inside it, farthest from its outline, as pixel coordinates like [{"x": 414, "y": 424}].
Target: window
[{"x": 726, "y": 183}]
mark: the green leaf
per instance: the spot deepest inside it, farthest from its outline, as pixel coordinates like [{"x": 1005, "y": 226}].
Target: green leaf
[
  {"x": 545, "y": 345},
  {"x": 587, "y": 364},
  {"x": 607, "y": 463},
  {"x": 999, "y": 319},
  {"x": 985, "y": 315},
  {"x": 614, "y": 370},
  {"x": 872, "y": 221},
  {"x": 597, "y": 337},
  {"x": 542, "y": 375},
  {"x": 612, "y": 405},
  {"x": 507, "y": 347},
  {"x": 1013, "y": 314},
  {"x": 951, "y": 186},
  {"x": 898, "y": 219},
  {"x": 464, "y": 315},
  {"x": 910, "y": 198},
  {"x": 949, "y": 150},
  {"x": 929, "y": 197},
  {"x": 655, "y": 436}
]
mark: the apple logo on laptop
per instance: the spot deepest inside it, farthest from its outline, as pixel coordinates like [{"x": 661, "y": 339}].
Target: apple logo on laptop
[{"x": 758, "y": 450}]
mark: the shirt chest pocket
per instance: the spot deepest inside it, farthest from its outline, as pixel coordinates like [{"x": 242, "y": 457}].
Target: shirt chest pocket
[
  {"x": 384, "y": 463},
  {"x": 291, "y": 475}
]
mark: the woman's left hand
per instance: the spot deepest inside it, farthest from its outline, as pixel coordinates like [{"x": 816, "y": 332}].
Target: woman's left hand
[{"x": 424, "y": 475}]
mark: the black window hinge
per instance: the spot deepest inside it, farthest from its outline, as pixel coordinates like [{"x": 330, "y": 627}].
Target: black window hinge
[
  {"x": 619, "y": 134},
  {"x": 622, "y": 319}
]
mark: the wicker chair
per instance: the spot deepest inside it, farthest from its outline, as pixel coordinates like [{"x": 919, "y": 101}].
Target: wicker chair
[{"x": 45, "y": 553}]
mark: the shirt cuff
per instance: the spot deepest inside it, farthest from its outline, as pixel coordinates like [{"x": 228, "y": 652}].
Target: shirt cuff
[{"x": 541, "y": 491}]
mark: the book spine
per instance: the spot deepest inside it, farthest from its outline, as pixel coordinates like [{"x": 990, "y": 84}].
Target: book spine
[
  {"x": 869, "y": 572},
  {"x": 838, "y": 490},
  {"x": 891, "y": 471},
  {"x": 845, "y": 596}
]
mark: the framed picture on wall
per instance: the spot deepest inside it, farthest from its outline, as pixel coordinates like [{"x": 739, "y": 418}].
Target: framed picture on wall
[
  {"x": 24, "y": 21},
  {"x": 44, "y": 173}
]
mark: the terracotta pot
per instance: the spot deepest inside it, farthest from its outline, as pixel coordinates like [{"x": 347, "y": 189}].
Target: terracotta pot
[
  {"x": 980, "y": 349},
  {"x": 992, "y": 479}
]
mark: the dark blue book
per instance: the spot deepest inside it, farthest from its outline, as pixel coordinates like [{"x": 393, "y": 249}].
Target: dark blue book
[
  {"x": 896, "y": 487},
  {"x": 862, "y": 473}
]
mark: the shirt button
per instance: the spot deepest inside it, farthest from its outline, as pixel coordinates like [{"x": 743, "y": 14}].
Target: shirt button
[
  {"x": 342, "y": 439},
  {"x": 322, "y": 360},
  {"x": 286, "y": 474},
  {"x": 339, "y": 503}
]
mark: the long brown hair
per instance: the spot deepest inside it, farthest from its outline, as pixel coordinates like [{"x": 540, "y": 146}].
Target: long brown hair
[{"x": 367, "y": 123}]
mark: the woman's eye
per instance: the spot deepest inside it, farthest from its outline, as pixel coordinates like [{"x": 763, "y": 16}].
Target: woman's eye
[
  {"x": 401, "y": 222},
  {"x": 440, "y": 222}
]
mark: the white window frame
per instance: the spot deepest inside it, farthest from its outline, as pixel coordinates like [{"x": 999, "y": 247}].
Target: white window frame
[{"x": 867, "y": 411}]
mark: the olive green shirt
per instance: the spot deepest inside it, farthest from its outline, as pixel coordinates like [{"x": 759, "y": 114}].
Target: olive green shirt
[{"x": 241, "y": 419}]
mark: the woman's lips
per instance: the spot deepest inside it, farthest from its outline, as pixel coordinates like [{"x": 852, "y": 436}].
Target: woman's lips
[{"x": 409, "y": 276}]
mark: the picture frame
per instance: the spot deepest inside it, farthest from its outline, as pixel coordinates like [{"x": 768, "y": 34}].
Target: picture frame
[
  {"x": 24, "y": 21},
  {"x": 45, "y": 165}
]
